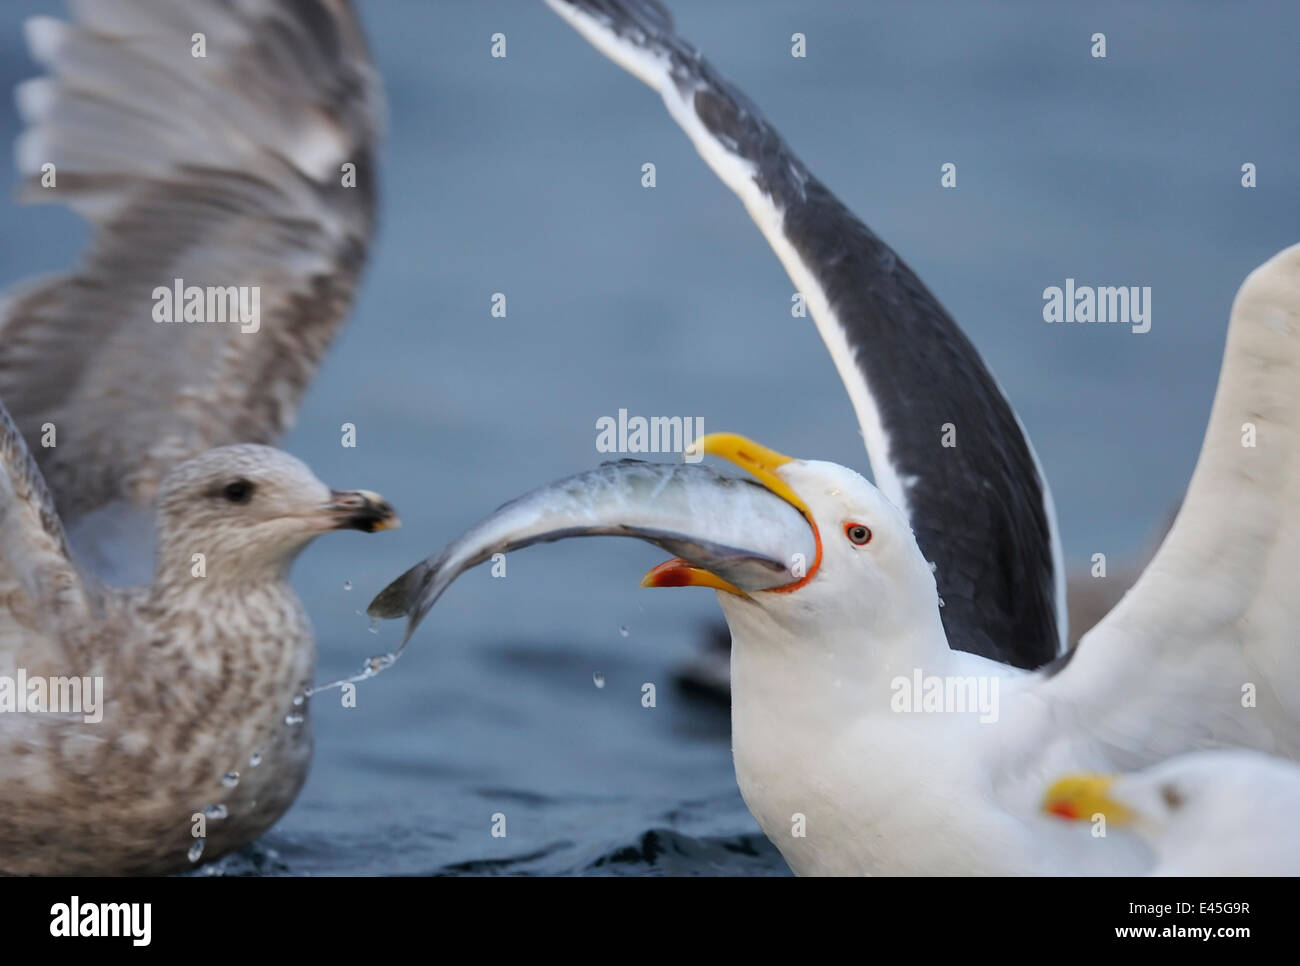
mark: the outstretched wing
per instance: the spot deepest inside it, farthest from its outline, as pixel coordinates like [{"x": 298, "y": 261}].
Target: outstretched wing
[
  {"x": 981, "y": 511},
  {"x": 207, "y": 142},
  {"x": 1203, "y": 649},
  {"x": 41, "y": 590}
]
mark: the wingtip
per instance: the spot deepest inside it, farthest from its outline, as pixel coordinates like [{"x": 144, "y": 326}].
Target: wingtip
[{"x": 44, "y": 36}]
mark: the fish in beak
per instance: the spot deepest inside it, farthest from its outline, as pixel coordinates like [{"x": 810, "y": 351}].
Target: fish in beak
[
  {"x": 762, "y": 463},
  {"x": 742, "y": 535}
]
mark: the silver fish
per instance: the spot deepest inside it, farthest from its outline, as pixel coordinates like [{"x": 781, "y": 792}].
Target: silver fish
[{"x": 735, "y": 528}]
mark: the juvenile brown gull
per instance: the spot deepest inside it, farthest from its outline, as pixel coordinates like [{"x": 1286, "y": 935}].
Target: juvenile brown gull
[
  {"x": 250, "y": 167},
  {"x": 199, "y": 670}
]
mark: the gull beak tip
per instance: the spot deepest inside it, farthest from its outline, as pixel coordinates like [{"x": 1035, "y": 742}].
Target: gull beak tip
[
  {"x": 681, "y": 573},
  {"x": 363, "y": 510}
]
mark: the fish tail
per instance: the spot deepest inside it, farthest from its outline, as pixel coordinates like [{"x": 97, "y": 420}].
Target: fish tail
[{"x": 403, "y": 596}]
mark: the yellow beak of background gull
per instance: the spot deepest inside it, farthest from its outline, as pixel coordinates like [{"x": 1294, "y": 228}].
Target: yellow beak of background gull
[
  {"x": 757, "y": 460},
  {"x": 1080, "y": 797}
]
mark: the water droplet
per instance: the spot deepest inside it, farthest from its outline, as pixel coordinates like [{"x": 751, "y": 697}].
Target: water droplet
[
  {"x": 196, "y": 850},
  {"x": 624, "y": 631},
  {"x": 374, "y": 625},
  {"x": 215, "y": 811},
  {"x": 598, "y": 679},
  {"x": 940, "y": 601},
  {"x": 255, "y": 760},
  {"x": 298, "y": 699},
  {"x": 293, "y": 719},
  {"x": 230, "y": 779},
  {"x": 347, "y": 585}
]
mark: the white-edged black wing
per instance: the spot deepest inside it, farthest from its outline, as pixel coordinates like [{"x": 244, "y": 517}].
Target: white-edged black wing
[{"x": 981, "y": 510}]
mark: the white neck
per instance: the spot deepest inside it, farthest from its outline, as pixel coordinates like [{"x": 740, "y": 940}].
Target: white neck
[{"x": 818, "y": 732}]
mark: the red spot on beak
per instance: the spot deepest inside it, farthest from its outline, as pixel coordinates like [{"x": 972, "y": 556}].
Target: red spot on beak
[
  {"x": 1065, "y": 809},
  {"x": 671, "y": 573}
]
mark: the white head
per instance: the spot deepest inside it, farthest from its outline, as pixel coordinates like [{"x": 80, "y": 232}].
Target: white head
[
  {"x": 1206, "y": 813},
  {"x": 870, "y": 577},
  {"x": 250, "y": 510}
]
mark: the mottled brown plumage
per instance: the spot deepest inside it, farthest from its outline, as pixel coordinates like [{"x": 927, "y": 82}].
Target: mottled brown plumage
[
  {"x": 200, "y": 669},
  {"x": 250, "y": 167}
]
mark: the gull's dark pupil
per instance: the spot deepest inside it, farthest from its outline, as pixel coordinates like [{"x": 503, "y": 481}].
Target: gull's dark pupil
[
  {"x": 240, "y": 491},
  {"x": 1172, "y": 796}
]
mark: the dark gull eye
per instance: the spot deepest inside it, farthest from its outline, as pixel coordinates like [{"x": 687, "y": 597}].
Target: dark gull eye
[
  {"x": 1172, "y": 796},
  {"x": 238, "y": 491},
  {"x": 857, "y": 534}
]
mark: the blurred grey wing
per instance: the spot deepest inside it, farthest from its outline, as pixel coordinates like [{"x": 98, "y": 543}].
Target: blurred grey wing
[
  {"x": 981, "y": 510},
  {"x": 224, "y": 152},
  {"x": 41, "y": 590}
]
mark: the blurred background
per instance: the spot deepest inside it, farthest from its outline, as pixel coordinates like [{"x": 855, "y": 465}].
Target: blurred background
[{"x": 522, "y": 176}]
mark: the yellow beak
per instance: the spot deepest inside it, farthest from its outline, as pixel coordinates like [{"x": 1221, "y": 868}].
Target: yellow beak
[
  {"x": 755, "y": 459},
  {"x": 1080, "y": 797}
]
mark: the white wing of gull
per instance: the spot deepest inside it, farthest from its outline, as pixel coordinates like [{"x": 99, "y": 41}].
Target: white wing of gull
[
  {"x": 1213, "y": 617},
  {"x": 221, "y": 170},
  {"x": 981, "y": 512}
]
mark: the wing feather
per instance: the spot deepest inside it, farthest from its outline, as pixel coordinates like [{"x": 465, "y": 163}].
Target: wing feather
[
  {"x": 982, "y": 511},
  {"x": 224, "y": 171},
  {"x": 1202, "y": 650}
]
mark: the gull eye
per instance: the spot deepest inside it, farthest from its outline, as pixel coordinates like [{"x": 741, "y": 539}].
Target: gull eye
[
  {"x": 1172, "y": 796},
  {"x": 857, "y": 534},
  {"x": 238, "y": 491}
]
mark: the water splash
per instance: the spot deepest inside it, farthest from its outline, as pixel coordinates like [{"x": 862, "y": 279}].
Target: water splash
[
  {"x": 196, "y": 850},
  {"x": 293, "y": 720},
  {"x": 374, "y": 665}
]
